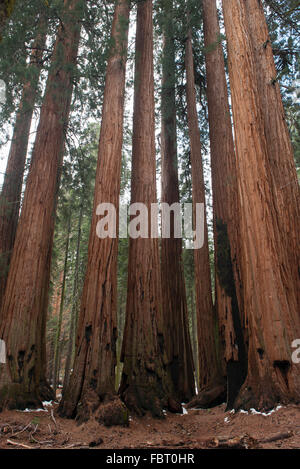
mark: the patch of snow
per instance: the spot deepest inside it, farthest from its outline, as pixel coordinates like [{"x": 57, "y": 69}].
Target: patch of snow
[
  {"x": 226, "y": 420},
  {"x": 47, "y": 403},
  {"x": 256, "y": 412},
  {"x": 33, "y": 410}
]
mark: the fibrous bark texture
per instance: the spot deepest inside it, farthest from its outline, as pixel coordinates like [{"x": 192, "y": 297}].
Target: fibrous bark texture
[
  {"x": 270, "y": 308},
  {"x": 12, "y": 186},
  {"x": 209, "y": 374},
  {"x": 145, "y": 381},
  {"x": 22, "y": 379},
  {"x": 279, "y": 146},
  {"x": 228, "y": 300},
  {"x": 175, "y": 314},
  {"x": 93, "y": 379}
]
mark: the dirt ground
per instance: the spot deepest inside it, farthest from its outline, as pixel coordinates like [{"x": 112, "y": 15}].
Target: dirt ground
[{"x": 197, "y": 429}]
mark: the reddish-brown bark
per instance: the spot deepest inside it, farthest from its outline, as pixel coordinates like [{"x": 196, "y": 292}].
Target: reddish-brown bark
[
  {"x": 279, "y": 146},
  {"x": 93, "y": 377},
  {"x": 174, "y": 306},
  {"x": 209, "y": 374},
  {"x": 228, "y": 300},
  {"x": 270, "y": 307},
  {"x": 12, "y": 186},
  {"x": 145, "y": 381},
  {"x": 22, "y": 379}
]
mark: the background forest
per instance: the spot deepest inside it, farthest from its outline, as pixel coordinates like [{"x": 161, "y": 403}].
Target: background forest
[{"x": 38, "y": 42}]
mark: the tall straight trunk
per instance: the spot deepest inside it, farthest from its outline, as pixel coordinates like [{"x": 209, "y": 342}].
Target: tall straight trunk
[
  {"x": 71, "y": 342},
  {"x": 56, "y": 300},
  {"x": 57, "y": 348},
  {"x": 174, "y": 305},
  {"x": 22, "y": 380},
  {"x": 6, "y": 9},
  {"x": 211, "y": 386},
  {"x": 279, "y": 146},
  {"x": 194, "y": 335},
  {"x": 93, "y": 377},
  {"x": 269, "y": 305},
  {"x": 12, "y": 186},
  {"x": 145, "y": 380},
  {"x": 226, "y": 208}
]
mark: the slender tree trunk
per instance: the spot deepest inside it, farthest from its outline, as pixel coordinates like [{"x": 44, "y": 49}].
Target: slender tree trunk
[
  {"x": 12, "y": 186},
  {"x": 6, "y": 9},
  {"x": 211, "y": 386},
  {"x": 145, "y": 381},
  {"x": 93, "y": 378},
  {"x": 174, "y": 303},
  {"x": 279, "y": 145},
  {"x": 226, "y": 208},
  {"x": 56, "y": 299},
  {"x": 194, "y": 335},
  {"x": 22, "y": 380},
  {"x": 57, "y": 348},
  {"x": 71, "y": 343},
  {"x": 269, "y": 306}
]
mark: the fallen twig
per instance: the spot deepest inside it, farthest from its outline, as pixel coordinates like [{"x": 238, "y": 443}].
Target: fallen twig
[{"x": 15, "y": 443}]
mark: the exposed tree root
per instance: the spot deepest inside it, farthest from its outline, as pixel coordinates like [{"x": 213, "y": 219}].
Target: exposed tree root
[
  {"x": 209, "y": 398},
  {"x": 107, "y": 409},
  {"x": 113, "y": 412},
  {"x": 261, "y": 397}
]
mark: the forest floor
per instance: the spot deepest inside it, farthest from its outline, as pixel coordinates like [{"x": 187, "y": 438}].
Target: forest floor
[{"x": 196, "y": 429}]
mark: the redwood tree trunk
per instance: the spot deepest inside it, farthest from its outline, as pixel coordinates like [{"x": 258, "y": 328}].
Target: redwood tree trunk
[
  {"x": 12, "y": 186},
  {"x": 269, "y": 306},
  {"x": 226, "y": 208},
  {"x": 178, "y": 343},
  {"x": 145, "y": 381},
  {"x": 93, "y": 377},
  {"x": 211, "y": 385},
  {"x": 72, "y": 333},
  {"x": 57, "y": 346},
  {"x": 22, "y": 380},
  {"x": 279, "y": 146}
]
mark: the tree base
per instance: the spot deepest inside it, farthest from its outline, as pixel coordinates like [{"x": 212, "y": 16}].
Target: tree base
[
  {"x": 13, "y": 396},
  {"x": 209, "y": 398},
  {"x": 108, "y": 409},
  {"x": 112, "y": 413},
  {"x": 141, "y": 400},
  {"x": 263, "y": 396}
]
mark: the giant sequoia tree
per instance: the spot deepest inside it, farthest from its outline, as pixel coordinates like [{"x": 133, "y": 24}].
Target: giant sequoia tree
[
  {"x": 279, "y": 146},
  {"x": 268, "y": 288},
  {"x": 211, "y": 387},
  {"x": 228, "y": 300},
  {"x": 93, "y": 377},
  {"x": 174, "y": 303},
  {"x": 12, "y": 186},
  {"x": 22, "y": 379},
  {"x": 145, "y": 383}
]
